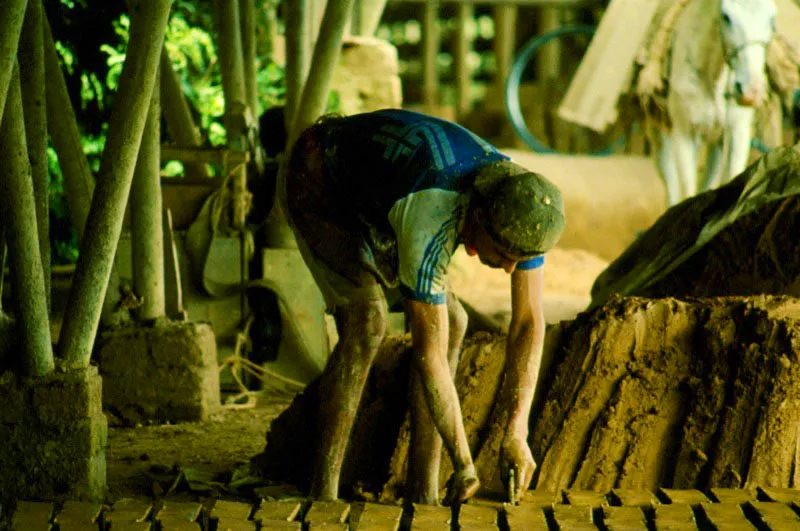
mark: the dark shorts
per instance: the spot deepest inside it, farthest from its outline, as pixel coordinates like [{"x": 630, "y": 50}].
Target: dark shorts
[{"x": 335, "y": 244}]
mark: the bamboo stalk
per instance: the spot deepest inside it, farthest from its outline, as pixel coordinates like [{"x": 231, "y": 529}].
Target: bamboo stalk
[
  {"x": 104, "y": 225},
  {"x": 10, "y": 29},
  {"x": 31, "y": 60},
  {"x": 18, "y": 208},
  {"x": 430, "y": 50},
  {"x": 147, "y": 235},
  {"x": 177, "y": 115}
]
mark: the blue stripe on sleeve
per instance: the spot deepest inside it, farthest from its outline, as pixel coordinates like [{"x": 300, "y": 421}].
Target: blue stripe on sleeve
[
  {"x": 533, "y": 263},
  {"x": 429, "y": 298}
]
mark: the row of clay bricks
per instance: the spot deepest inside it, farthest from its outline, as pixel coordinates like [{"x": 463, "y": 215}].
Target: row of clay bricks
[
  {"x": 668, "y": 509},
  {"x": 619, "y": 510}
]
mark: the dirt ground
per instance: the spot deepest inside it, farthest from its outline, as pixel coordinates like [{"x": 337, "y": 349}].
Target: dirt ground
[{"x": 139, "y": 457}]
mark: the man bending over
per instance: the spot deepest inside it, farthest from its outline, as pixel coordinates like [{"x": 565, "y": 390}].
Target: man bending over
[{"x": 379, "y": 203}]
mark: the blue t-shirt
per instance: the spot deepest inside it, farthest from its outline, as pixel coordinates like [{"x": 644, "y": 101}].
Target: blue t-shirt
[{"x": 414, "y": 172}]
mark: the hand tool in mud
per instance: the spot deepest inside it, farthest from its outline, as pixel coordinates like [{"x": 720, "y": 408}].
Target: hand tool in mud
[{"x": 511, "y": 486}]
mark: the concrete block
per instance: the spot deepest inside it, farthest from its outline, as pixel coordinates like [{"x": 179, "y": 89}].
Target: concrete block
[
  {"x": 165, "y": 372},
  {"x": 367, "y": 77},
  {"x": 54, "y": 442}
]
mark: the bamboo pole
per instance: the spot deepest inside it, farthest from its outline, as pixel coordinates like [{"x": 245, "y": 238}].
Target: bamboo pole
[
  {"x": 323, "y": 64},
  {"x": 104, "y": 225},
  {"x": 298, "y": 57},
  {"x": 247, "y": 16},
  {"x": 31, "y": 61},
  {"x": 18, "y": 209},
  {"x": 233, "y": 84},
  {"x": 463, "y": 46},
  {"x": 177, "y": 115},
  {"x": 430, "y": 50},
  {"x": 10, "y": 29},
  {"x": 147, "y": 234}
]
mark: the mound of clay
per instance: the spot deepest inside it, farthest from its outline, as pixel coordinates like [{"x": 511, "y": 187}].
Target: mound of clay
[
  {"x": 736, "y": 240},
  {"x": 637, "y": 393},
  {"x": 376, "y": 457},
  {"x": 685, "y": 394}
]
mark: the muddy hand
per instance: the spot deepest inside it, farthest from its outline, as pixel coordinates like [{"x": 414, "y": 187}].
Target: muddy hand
[
  {"x": 517, "y": 467},
  {"x": 461, "y": 486}
]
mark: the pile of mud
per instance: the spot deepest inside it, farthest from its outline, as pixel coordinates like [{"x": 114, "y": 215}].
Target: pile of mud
[
  {"x": 637, "y": 393},
  {"x": 739, "y": 239}
]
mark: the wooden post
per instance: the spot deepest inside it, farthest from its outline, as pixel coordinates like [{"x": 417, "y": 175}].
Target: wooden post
[
  {"x": 366, "y": 16},
  {"x": 2, "y": 261},
  {"x": 462, "y": 48},
  {"x": 177, "y": 115},
  {"x": 31, "y": 60},
  {"x": 78, "y": 178},
  {"x": 247, "y": 15},
  {"x": 233, "y": 84},
  {"x": 430, "y": 50},
  {"x": 147, "y": 235},
  {"x": 298, "y": 56},
  {"x": 99, "y": 245},
  {"x": 549, "y": 64},
  {"x": 63, "y": 128},
  {"x": 18, "y": 209},
  {"x": 10, "y": 30},
  {"x": 505, "y": 23},
  {"x": 326, "y": 57},
  {"x": 270, "y": 29}
]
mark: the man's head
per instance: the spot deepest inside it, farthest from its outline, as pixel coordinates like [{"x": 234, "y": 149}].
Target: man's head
[{"x": 521, "y": 213}]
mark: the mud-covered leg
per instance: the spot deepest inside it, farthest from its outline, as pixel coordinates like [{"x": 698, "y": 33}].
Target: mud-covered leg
[
  {"x": 426, "y": 444},
  {"x": 361, "y": 328}
]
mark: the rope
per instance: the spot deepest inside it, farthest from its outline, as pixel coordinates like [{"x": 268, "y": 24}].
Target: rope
[{"x": 237, "y": 363}]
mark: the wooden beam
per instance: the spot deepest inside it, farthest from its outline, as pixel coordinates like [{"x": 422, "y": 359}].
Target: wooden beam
[{"x": 227, "y": 158}]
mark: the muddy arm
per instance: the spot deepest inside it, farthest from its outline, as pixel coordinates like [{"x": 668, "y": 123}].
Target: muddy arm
[{"x": 508, "y": 434}]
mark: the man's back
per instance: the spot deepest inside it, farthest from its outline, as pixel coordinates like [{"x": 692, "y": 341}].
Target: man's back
[{"x": 380, "y": 157}]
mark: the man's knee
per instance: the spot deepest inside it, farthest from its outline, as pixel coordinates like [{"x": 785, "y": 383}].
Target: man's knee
[{"x": 363, "y": 323}]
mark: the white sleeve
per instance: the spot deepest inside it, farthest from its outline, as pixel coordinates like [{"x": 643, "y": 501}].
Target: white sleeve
[{"x": 427, "y": 225}]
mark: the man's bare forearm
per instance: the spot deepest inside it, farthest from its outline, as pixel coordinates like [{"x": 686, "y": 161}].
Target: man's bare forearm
[{"x": 523, "y": 361}]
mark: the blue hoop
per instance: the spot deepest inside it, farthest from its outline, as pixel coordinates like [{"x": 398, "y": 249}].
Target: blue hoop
[{"x": 513, "y": 109}]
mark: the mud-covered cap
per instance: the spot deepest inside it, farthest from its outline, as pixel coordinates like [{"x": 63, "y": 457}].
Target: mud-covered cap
[{"x": 524, "y": 211}]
